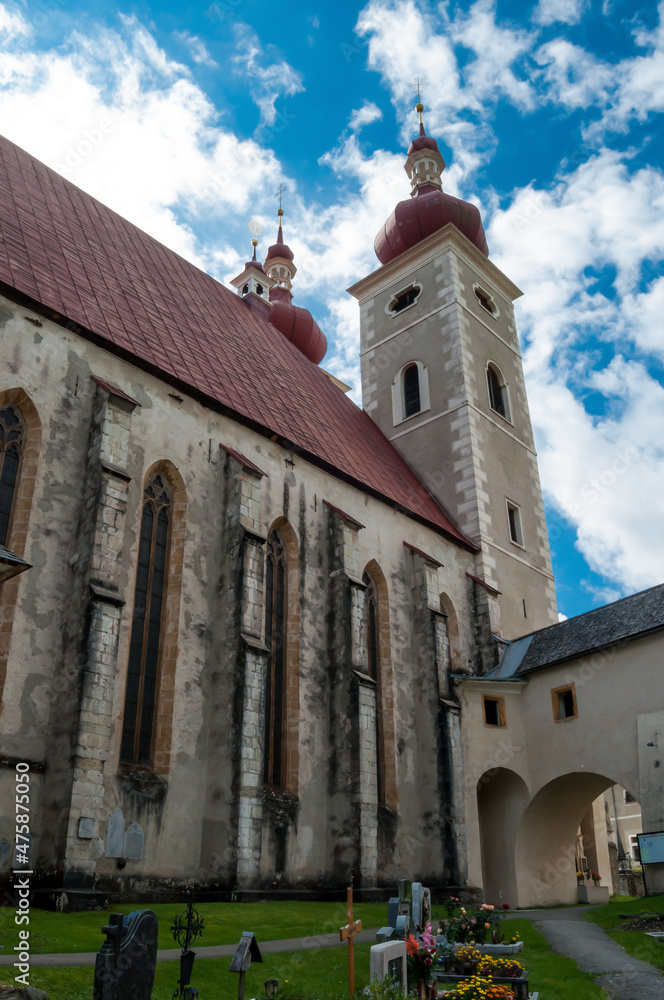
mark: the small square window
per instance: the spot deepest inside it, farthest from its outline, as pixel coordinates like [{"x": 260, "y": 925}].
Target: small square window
[
  {"x": 514, "y": 521},
  {"x": 494, "y": 711},
  {"x": 564, "y": 703}
]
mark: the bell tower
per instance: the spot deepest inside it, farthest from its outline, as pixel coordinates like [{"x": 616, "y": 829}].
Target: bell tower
[{"x": 443, "y": 379}]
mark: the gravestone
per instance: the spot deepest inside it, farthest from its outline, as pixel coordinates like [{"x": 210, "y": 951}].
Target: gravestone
[
  {"x": 421, "y": 911},
  {"x": 86, "y": 827},
  {"x": 126, "y": 963},
  {"x": 392, "y": 911},
  {"x": 385, "y": 934},
  {"x": 403, "y": 926},
  {"x": 246, "y": 952},
  {"x": 389, "y": 959},
  {"x": 115, "y": 835},
  {"x": 133, "y": 842}
]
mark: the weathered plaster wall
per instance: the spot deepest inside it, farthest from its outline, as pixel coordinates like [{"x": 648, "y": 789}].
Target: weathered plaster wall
[
  {"x": 563, "y": 766},
  {"x": 202, "y": 811}
]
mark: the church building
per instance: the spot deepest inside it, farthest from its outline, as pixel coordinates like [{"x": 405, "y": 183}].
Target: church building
[{"x": 239, "y": 614}]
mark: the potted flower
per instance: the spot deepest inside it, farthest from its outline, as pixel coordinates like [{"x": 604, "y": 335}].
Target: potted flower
[
  {"x": 420, "y": 960},
  {"x": 479, "y": 988},
  {"x": 579, "y": 878},
  {"x": 596, "y": 878}
]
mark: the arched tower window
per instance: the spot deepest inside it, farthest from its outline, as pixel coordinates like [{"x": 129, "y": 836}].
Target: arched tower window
[
  {"x": 276, "y": 603},
  {"x": 497, "y": 391},
  {"x": 12, "y": 445},
  {"x": 411, "y": 391},
  {"x": 145, "y": 642}
]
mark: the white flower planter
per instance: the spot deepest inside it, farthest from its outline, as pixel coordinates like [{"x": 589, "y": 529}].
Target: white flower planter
[
  {"x": 593, "y": 893},
  {"x": 495, "y": 949}
]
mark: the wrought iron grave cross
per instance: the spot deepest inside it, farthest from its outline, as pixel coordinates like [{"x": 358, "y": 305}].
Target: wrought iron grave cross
[{"x": 187, "y": 927}]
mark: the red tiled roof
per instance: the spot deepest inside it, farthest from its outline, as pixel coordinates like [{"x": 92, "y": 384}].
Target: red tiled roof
[{"x": 70, "y": 254}]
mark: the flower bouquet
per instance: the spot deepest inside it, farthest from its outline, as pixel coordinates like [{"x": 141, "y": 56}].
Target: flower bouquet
[{"x": 478, "y": 988}]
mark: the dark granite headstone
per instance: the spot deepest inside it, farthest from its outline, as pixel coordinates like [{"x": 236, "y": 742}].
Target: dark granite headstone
[
  {"x": 392, "y": 911},
  {"x": 126, "y": 963}
]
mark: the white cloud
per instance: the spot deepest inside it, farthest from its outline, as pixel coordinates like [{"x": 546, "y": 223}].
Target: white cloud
[
  {"x": 365, "y": 115},
  {"x": 127, "y": 124},
  {"x": 564, "y": 11},
  {"x": 269, "y": 81},
  {"x": 575, "y": 78},
  {"x": 12, "y": 24},
  {"x": 603, "y": 473},
  {"x": 197, "y": 48},
  {"x": 497, "y": 49}
]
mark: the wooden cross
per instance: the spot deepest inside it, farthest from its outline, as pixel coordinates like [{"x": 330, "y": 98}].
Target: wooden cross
[{"x": 347, "y": 933}]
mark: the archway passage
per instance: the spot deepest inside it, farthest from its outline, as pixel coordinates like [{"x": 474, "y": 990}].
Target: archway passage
[
  {"x": 502, "y": 797},
  {"x": 546, "y": 844}
]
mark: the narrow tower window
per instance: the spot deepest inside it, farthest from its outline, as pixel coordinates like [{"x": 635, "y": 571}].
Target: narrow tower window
[
  {"x": 514, "y": 520},
  {"x": 12, "y": 440},
  {"x": 144, "y": 647},
  {"x": 275, "y": 639},
  {"x": 411, "y": 391},
  {"x": 497, "y": 391}
]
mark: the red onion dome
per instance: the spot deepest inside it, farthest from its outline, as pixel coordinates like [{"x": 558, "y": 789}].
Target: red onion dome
[
  {"x": 423, "y": 141},
  {"x": 299, "y": 326},
  {"x": 279, "y": 249},
  {"x": 257, "y": 264},
  {"x": 415, "y": 219}
]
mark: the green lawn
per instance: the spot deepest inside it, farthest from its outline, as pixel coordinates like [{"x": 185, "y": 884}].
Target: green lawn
[
  {"x": 636, "y": 943},
  {"x": 300, "y": 973},
  {"x": 310, "y": 974},
  {"x": 224, "y": 923}
]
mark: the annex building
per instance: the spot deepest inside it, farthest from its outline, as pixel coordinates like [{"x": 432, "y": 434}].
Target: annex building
[{"x": 253, "y": 636}]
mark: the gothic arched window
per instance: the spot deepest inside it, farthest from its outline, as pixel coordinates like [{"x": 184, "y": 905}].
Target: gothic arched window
[
  {"x": 276, "y": 602},
  {"x": 411, "y": 391},
  {"x": 12, "y": 443},
  {"x": 149, "y": 599},
  {"x": 497, "y": 391}
]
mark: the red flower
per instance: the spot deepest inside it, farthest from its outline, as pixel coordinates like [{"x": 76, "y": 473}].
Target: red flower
[
  {"x": 506, "y": 906},
  {"x": 427, "y": 961}
]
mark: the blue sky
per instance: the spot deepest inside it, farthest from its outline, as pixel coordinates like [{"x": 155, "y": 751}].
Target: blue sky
[{"x": 186, "y": 119}]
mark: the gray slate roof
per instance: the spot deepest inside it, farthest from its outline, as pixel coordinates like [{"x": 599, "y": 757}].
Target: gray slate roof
[
  {"x": 614, "y": 623},
  {"x": 8, "y": 557}
]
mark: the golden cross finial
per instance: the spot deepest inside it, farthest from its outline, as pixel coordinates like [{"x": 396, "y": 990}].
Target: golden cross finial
[
  {"x": 278, "y": 194},
  {"x": 419, "y": 84}
]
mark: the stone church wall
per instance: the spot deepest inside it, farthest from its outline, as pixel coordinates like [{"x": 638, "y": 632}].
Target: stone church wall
[{"x": 201, "y": 812}]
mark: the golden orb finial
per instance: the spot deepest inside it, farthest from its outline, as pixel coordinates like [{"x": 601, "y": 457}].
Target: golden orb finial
[{"x": 280, "y": 212}]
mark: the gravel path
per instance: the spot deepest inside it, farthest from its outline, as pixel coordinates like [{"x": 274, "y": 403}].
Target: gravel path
[
  {"x": 211, "y": 951},
  {"x": 622, "y": 976}
]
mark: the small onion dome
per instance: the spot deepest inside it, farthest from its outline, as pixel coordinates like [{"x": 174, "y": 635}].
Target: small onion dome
[
  {"x": 423, "y": 141},
  {"x": 255, "y": 263},
  {"x": 299, "y": 326},
  {"x": 279, "y": 249},
  {"x": 415, "y": 219}
]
